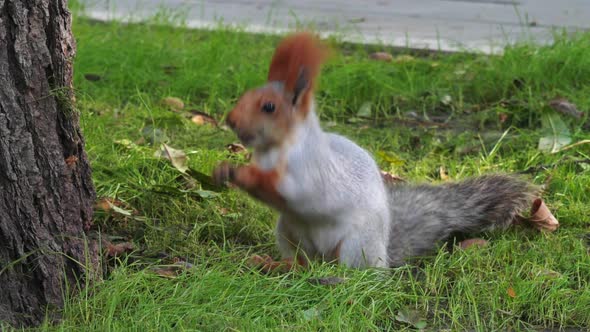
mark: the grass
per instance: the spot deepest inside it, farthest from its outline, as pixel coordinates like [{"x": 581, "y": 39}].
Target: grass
[{"x": 427, "y": 112}]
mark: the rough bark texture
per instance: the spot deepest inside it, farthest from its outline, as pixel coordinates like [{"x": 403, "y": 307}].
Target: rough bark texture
[{"x": 46, "y": 193}]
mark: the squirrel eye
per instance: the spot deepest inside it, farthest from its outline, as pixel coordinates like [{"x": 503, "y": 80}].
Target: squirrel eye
[{"x": 268, "y": 107}]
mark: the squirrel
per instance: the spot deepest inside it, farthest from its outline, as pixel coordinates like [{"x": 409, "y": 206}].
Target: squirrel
[{"x": 333, "y": 201}]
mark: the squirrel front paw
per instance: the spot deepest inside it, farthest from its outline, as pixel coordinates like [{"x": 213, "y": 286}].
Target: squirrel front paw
[{"x": 224, "y": 173}]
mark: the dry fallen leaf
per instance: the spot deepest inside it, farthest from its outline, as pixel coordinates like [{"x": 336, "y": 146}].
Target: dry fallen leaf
[
  {"x": 127, "y": 144},
  {"x": 473, "y": 242},
  {"x": 152, "y": 135},
  {"x": 173, "y": 103},
  {"x": 502, "y": 117},
  {"x": 510, "y": 291},
  {"x": 404, "y": 58},
  {"x": 169, "y": 69},
  {"x": 542, "y": 218},
  {"x": 114, "y": 250},
  {"x": 171, "y": 271},
  {"x": 545, "y": 273},
  {"x": 108, "y": 204},
  {"x": 390, "y": 178},
  {"x": 412, "y": 317},
  {"x": 556, "y": 134},
  {"x": 311, "y": 314},
  {"x": 390, "y": 158},
  {"x": 563, "y": 106},
  {"x": 165, "y": 272},
  {"x": 236, "y": 148},
  {"x": 201, "y": 118},
  {"x": 92, "y": 77},
  {"x": 180, "y": 263},
  {"x": 102, "y": 204},
  {"x": 266, "y": 264},
  {"x": 443, "y": 173},
  {"x": 381, "y": 56},
  {"x": 177, "y": 157},
  {"x": 365, "y": 110}
]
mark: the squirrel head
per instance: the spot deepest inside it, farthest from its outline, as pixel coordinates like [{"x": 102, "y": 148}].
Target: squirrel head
[{"x": 265, "y": 116}]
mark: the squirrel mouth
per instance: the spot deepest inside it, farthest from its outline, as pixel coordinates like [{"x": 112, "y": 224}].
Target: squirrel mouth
[{"x": 245, "y": 138}]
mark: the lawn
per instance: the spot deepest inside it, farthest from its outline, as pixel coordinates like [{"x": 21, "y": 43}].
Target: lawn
[{"x": 467, "y": 114}]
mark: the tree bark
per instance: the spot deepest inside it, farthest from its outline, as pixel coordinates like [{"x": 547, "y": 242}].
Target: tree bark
[{"x": 46, "y": 192}]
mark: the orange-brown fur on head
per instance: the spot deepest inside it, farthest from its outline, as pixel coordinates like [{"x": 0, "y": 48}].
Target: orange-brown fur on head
[
  {"x": 296, "y": 53},
  {"x": 291, "y": 79}
]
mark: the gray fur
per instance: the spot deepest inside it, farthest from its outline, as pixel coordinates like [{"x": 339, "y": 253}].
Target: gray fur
[
  {"x": 337, "y": 201},
  {"x": 424, "y": 215}
]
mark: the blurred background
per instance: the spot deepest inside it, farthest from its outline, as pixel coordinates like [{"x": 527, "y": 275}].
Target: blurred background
[{"x": 449, "y": 25}]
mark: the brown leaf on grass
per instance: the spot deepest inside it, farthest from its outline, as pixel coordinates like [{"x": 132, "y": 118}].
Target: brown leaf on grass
[
  {"x": 174, "y": 269},
  {"x": 236, "y": 148},
  {"x": 126, "y": 144},
  {"x": 412, "y": 317},
  {"x": 172, "y": 103},
  {"x": 472, "y": 242},
  {"x": 169, "y": 69},
  {"x": 92, "y": 77},
  {"x": 165, "y": 272},
  {"x": 118, "y": 249},
  {"x": 510, "y": 291},
  {"x": 565, "y": 107},
  {"x": 201, "y": 118},
  {"x": 102, "y": 204},
  {"x": 518, "y": 83},
  {"x": 108, "y": 204},
  {"x": 381, "y": 56},
  {"x": 180, "y": 263},
  {"x": 502, "y": 117},
  {"x": 545, "y": 273},
  {"x": 542, "y": 218},
  {"x": 442, "y": 172},
  {"x": 266, "y": 264},
  {"x": 404, "y": 58},
  {"x": 390, "y": 178},
  {"x": 177, "y": 157}
]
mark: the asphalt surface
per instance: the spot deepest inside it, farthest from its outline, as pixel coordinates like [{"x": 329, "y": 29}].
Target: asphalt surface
[{"x": 450, "y": 25}]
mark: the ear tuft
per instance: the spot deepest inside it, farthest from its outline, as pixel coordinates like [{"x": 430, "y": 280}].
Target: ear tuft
[
  {"x": 300, "y": 85},
  {"x": 297, "y": 62}
]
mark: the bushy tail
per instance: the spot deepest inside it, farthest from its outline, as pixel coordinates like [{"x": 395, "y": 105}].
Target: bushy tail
[{"x": 424, "y": 215}]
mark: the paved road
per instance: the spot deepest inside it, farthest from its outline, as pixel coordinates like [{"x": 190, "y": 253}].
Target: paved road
[{"x": 482, "y": 25}]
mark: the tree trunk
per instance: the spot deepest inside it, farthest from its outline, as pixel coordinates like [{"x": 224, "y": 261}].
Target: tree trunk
[{"x": 46, "y": 193}]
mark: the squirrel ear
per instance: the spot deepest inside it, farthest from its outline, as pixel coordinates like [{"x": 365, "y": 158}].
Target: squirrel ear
[{"x": 301, "y": 85}]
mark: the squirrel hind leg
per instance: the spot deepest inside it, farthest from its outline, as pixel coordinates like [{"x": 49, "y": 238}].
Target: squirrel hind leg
[{"x": 362, "y": 254}]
